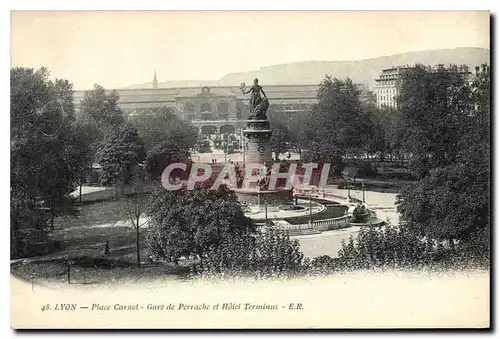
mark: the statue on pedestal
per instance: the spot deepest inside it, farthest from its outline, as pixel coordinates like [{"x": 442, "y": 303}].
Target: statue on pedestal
[
  {"x": 258, "y": 104},
  {"x": 263, "y": 180}
]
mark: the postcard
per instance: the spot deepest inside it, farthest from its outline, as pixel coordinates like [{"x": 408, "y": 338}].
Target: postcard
[{"x": 250, "y": 169}]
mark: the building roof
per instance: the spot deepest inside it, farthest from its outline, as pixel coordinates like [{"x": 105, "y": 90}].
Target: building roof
[{"x": 205, "y": 91}]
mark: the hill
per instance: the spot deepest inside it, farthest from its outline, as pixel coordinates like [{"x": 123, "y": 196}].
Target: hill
[{"x": 360, "y": 71}]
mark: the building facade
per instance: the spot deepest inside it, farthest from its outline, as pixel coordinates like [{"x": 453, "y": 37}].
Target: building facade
[
  {"x": 388, "y": 85},
  {"x": 216, "y": 109}
]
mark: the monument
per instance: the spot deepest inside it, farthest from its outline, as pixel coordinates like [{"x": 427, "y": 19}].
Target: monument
[
  {"x": 257, "y": 134},
  {"x": 257, "y": 131}
]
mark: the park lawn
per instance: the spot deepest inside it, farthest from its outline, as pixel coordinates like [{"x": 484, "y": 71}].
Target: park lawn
[
  {"x": 97, "y": 223},
  {"x": 85, "y": 236},
  {"x": 83, "y": 240},
  {"x": 95, "y": 213},
  {"x": 55, "y": 272},
  {"x": 121, "y": 239}
]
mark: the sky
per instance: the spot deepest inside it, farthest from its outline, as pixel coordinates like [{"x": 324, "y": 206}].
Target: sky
[{"x": 120, "y": 48}]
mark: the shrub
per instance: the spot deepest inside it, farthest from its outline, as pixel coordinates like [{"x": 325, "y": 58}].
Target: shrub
[
  {"x": 92, "y": 178},
  {"x": 324, "y": 264},
  {"x": 394, "y": 247},
  {"x": 194, "y": 222},
  {"x": 270, "y": 253},
  {"x": 367, "y": 169}
]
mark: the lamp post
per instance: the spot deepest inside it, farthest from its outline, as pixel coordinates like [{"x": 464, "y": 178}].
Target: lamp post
[
  {"x": 363, "y": 189},
  {"x": 244, "y": 145},
  {"x": 266, "y": 211},
  {"x": 225, "y": 152},
  {"x": 258, "y": 197},
  {"x": 348, "y": 190},
  {"x": 310, "y": 208}
]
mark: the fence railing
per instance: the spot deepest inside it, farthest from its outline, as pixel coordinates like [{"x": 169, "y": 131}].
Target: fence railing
[{"x": 324, "y": 224}]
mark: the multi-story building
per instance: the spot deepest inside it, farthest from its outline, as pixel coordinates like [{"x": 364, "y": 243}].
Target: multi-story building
[
  {"x": 388, "y": 85},
  {"x": 216, "y": 109}
]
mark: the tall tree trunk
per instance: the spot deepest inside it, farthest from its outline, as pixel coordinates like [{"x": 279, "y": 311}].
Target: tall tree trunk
[
  {"x": 117, "y": 190},
  {"x": 81, "y": 184},
  {"x": 137, "y": 244},
  {"x": 52, "y": 217},
  {"x": 122, "y": 185},
  {"x": 14, "y": 244}
]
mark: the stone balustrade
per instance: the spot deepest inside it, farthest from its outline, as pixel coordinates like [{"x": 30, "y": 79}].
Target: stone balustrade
[{"x": 319, "y": 225}]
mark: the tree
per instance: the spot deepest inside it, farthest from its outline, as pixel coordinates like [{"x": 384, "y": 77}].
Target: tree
[
  {"x": 276, "y": 254},
  {"x": 451, "y": 202},
  {"x": 270, "y": 253},
  {"x": 336, "y": 122},
  {"x": 374, "y": 142},
  {"x": 120, "y": 153},
  {"x": 160, "y": 125},
  {"x": 394, "y": 131},
  {"x": 167, "y": 139},
  {"x": 401, "y": 248},
  {"x": 279, "y": 140},
  {"x": 101, "y": 107},
  {"x": 163, "y": 154},
  {"x": 135, "y": 203},
  {"x": 100, "y": 116},
  {"x": 290, "y": 127},
  {"x": 296, "y": 127},
  {"x": 434, "y": 106},
  {"x": 193, "y": 222},
  {"x": 350, "y": 173},
  {"x": 44, "y": 155},
  {"x": 84, "y": 139}
]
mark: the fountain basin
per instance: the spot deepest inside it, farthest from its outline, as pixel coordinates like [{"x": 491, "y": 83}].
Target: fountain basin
[{"x": 272, "y": 198}]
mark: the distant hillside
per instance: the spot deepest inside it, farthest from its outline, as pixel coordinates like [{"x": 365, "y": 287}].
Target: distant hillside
[{"x": 360, "y": 71}]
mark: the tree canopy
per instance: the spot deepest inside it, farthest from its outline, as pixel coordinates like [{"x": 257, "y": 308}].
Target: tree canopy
[
  {"x": 119, "y": 154},
  {"x": 45, "y": 152},
  {"x": 192, "y": 222},
  {"x": 101, "y": 106},
  {"x": 450, "y": 137},
  {"x": 161, "y": 125},
  {"x": 337, "y": 123},
  {"x": 434, "y": 107},
  {"x": 167, "y": 139}
]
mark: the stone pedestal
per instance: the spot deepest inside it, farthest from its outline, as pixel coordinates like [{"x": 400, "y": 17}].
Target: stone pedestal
[
  {"x": 258, "y": 151},
  {"x": 258, "y": 135}
]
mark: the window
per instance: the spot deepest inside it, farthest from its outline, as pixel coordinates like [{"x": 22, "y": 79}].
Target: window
[
  {"x": 189, "y": 108},
  {"x": 206, "y": 108},
  {"x": 223, "y": 110}
]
